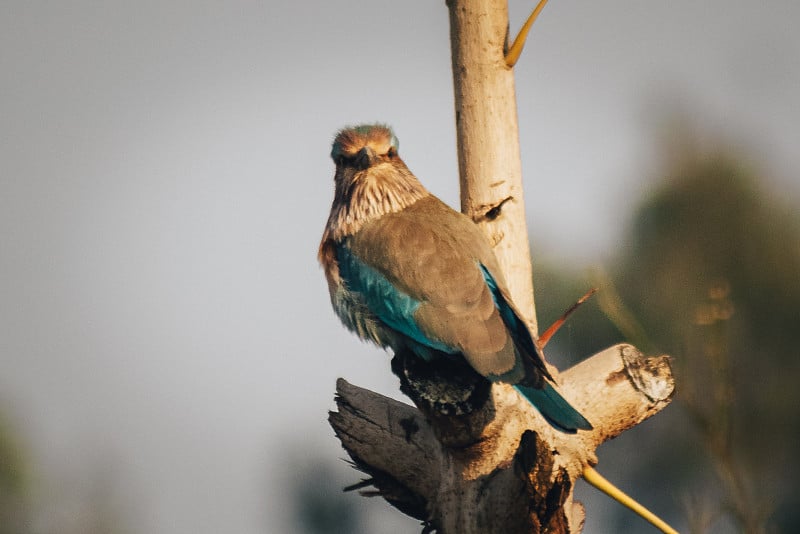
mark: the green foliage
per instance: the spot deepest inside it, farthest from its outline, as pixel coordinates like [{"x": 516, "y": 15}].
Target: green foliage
[
  {"x": 319, "y": 504},
  {"x": 12, "y": 477},
  {"x": 710, "y": 272},
  {"x": 13, "y": 482},
  {"x": 709, "y": 224}
]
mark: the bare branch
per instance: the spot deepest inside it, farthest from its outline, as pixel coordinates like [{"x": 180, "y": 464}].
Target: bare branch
[{"x": 517, "y": 472}]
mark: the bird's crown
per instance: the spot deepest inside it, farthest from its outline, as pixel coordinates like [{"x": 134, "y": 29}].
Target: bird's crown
[{"x": 377, "y": 137}]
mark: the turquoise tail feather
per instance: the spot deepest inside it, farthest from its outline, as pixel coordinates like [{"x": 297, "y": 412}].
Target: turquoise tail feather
[{"x": 555, "y": 408}]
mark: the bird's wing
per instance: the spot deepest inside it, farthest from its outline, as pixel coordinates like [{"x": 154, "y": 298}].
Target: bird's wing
[
  {"x": 381, "y": 298},
  {"x": 423, "y": 271},
  {"x": 518, "y": 330}
]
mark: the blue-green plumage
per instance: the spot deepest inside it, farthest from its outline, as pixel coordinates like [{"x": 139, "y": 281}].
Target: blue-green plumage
[
  {"x": 554, "y": 407},
  {"x": 409, "y": 273},
  {"x": 515, "y": 325},
  {"x": 390, "y": 305}
]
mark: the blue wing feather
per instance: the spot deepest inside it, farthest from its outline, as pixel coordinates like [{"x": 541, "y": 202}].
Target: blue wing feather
[
  {"x": 519, "y": 331},
  {"x": 389, "y": 304},
  {"x": 555, "y": 408},
  {"x": 546, "y": 399}
]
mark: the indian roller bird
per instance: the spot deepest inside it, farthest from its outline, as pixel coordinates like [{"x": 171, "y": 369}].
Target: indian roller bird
[{"x": 410, "y": 274}]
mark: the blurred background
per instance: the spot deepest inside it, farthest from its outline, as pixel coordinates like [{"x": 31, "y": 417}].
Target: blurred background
[{"x": 168, "y": 354}]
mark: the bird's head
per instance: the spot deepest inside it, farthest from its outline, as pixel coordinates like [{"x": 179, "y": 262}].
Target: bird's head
[
  {"x": 371, "y": 179},
  {"x": 358, "y": 150}
]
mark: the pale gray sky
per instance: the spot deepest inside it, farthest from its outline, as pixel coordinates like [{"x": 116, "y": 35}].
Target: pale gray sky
[{"x": 164, "y": 180}]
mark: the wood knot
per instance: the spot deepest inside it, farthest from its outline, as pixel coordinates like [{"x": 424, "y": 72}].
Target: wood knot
[
  {"x": 490, "y": 212},
  {"x": 652, "y": 376}
]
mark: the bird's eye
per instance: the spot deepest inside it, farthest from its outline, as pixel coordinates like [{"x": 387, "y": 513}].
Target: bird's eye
[
  {"x": 392, "y": 153},
  {"x": 344, "y": 159}
]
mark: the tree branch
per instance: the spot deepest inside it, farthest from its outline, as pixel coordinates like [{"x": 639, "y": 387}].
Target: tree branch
[{"x": 506, "y": 479}]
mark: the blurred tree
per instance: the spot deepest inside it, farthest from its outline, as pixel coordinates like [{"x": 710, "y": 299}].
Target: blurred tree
[
  {"x": 319, "y": 504},
  {"x": 13, "y": 482},
  {"x": 710, "y": 274},
  {"x": 586, "y": 332},
  {"x": 47, "y": 504}
]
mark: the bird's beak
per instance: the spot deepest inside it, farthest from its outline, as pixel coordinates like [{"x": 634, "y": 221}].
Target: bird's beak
[{"x": 365, "y": 158}]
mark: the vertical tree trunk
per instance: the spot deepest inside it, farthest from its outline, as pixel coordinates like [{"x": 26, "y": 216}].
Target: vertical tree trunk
[{"x": 489, "y": 162}]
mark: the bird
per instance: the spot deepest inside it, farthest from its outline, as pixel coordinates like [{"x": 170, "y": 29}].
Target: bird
[{"x": 408, "y": 273}]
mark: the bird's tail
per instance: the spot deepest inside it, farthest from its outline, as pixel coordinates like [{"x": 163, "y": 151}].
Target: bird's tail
[{"x": 555, "y": 408}]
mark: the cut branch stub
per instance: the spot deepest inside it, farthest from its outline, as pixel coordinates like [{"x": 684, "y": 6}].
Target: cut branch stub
[
  {"x": 617, "y": 389},
  {"x": 500, "y": 467},
  {"x": 387, "y": 436}
]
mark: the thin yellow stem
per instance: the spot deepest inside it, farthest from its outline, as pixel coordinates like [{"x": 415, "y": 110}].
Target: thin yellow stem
[
  {"x": 516, "y": 49},
  {"x": 596, "y": 479}
]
